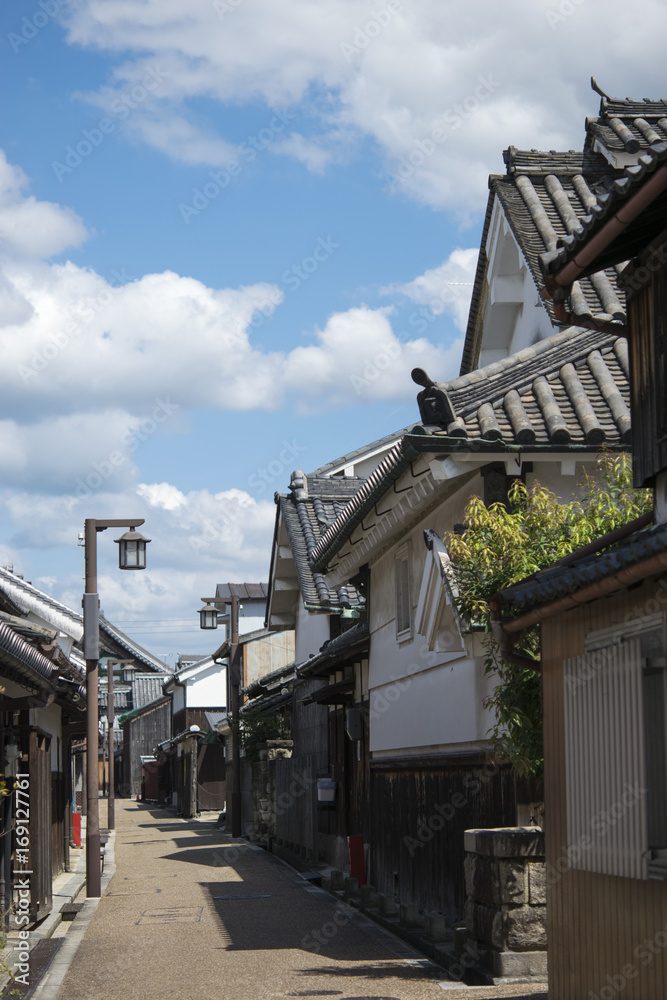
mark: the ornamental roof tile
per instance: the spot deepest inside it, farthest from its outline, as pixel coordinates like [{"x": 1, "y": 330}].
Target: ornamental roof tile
[
  {"x": 570, "y": 389},
  {"x": 628, "y": 125},
  {"x": 566, "y": 393}
]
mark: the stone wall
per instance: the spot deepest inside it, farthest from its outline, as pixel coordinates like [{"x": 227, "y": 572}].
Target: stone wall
[{"x": 505, "y": 912}]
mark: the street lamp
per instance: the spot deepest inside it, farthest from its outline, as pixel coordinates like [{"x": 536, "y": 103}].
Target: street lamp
[
  {"x": 132, "y": 550},
  {"x": 208, "y": 615},
  {"x": 129, "y": 558}
]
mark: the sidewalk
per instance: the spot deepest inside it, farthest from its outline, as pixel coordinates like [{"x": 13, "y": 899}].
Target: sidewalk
[{"x": 192, "y": 914}]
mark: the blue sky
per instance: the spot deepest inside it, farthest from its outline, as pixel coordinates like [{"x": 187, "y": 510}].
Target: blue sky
[{"x": 228, "y": 230}]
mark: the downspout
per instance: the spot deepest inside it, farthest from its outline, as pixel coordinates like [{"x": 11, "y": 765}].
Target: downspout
[{"x": 506, "y": 642}]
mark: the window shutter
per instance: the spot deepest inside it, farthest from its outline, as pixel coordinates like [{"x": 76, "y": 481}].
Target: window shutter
[
  {"x": 604, "y": 751},
  {"x": 402, "y": 596}
]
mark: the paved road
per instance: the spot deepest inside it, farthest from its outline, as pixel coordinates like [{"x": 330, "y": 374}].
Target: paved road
[{"x": 192, "y": 914}]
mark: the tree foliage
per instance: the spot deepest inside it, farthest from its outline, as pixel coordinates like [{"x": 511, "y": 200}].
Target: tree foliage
[
  {"x": 256, "y": 727},
  {"x": 502, "y": 545}
]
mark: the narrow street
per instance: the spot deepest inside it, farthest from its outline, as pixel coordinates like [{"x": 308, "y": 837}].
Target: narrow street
[{"x": 192, "y": 914}]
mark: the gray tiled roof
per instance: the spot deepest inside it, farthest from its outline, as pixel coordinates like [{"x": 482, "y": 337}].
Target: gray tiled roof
[
  {"x": 29, "y": 599},
  {"x": 214, "y": 719},
  {"x": 350, "y": 457},
  {"x": 570, "y": 389},
  {"x": 632, "y": 239},
  {"x": 545, "y": 197},
  {"x": 551, "y": 585},
  {"x": 245, "y": 591},
  {"x": 566, "y": 393},
  {"x": 628, "y": 125},
  {"x": 146, "y": 688},
  {"x": 473, "y": 339},
  {"x": 131, "y": 646},
  {"x": 314, "y": 503},
  {"x": 121, "y": 702}
]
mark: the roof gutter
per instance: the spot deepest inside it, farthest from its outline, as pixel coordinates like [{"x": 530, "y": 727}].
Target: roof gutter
[
  {"x": 587, "y": 322},
  {"x": 610, "y": 585},
  {"x": 557, "y": 286}
]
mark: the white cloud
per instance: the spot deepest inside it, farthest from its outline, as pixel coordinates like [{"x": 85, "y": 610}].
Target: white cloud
[
  {"x": 196, "y": 542},
  {"x": 444, "y": 289},
  {"x": 486, "y": 75},
  {"x": 65, "y": 453},
  {"x": 312, "y": 154},
  {"x": 198, "y": 539},
  {"x": 31, "y": 228},
  {"x": 358, "y": 355},
  {"x": 91, "y": 368}
]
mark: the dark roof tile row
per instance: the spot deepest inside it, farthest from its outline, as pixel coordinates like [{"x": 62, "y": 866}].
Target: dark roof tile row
[
  {"x": 570, "y": 389},
  {"x": 628, "y": 125},
  {"x": 545, "y": 205},
  {"x": 313, "y": 505},
  {"x": 553, "y": 584}
]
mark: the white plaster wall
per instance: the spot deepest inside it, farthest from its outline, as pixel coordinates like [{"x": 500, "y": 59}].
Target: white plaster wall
[
  {"x": 435, "y": 707},
  {"x": 565, "y": 487},
  {"x": 421, "y": 698},
  {"x": 178, "y": 699},
  {"x": 312, "y": 631},
  {"x": 208, "y": 689},
  {"x": 51, "y": 721},
  {"x": 250, "y": 624},
  {"x": 251, "y": 616},
  {"x": 515, "y": 320}
]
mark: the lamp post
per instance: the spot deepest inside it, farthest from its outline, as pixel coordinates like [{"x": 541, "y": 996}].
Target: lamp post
[
  {"x": 131, "y": 555},
  {"x": 208, "y": 618}
]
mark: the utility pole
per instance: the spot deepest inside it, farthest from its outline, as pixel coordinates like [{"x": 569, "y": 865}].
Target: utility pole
[
  {"x": 91, "y": 618},
  {"x": 234, "y": 684}
]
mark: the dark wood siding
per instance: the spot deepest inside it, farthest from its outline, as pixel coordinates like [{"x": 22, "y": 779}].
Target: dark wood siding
[
  {"x": 596, "y": 924},
  {"x": 211, "y": 784},
  {"x": 57, "y": 822},
  {"x": 140, "y": 737},
  {"x": 647, "y": 315},
  {"x": 39, "y": 768},
  {"x": 419, "y": 815}
]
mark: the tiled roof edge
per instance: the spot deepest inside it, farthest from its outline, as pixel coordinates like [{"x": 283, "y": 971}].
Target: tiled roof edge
[{"x": 622, "y": 188}]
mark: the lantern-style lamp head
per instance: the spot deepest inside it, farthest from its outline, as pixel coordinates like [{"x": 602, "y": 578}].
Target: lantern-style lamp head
[
  {"x": 132, "y": 550},
  {"x": 208, "y": 616}
]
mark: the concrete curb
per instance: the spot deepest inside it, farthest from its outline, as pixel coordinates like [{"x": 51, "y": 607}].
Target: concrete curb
[
  {"x": 49, "y": 987},
  {"x": 66, "y": 887}
]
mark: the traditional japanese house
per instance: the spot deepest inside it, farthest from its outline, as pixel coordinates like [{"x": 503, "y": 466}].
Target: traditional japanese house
[
  {"x": 536, "y": 398},
  {"x": 602, "y": 615}
]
